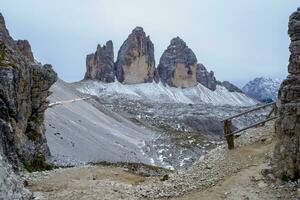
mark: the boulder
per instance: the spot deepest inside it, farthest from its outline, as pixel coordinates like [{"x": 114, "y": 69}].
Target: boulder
[
  {"x": 100, "y": 65},
  {"x": 135, "y": 62},
  {"x": 286, "y": 162},
  {"x": 177, "y": 65},
  {"x": 206, "y": 78}
]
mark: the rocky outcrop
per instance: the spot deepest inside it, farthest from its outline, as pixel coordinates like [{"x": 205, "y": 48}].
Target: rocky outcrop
[
  {"x": 135, "y": 62},
  {"x": 25, "y": 48},
  {"x": 206, "y": 78},
  {"x": 287, "y": 150},
  {"x": 177, "y": 65},
  {"x": 100, "y": 65},
  {"x": 23, "y": 100},
  {"x": 24, "y": 89}
]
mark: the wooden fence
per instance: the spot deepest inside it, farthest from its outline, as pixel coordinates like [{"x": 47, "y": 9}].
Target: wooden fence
[{"x": 230, "y": 135}]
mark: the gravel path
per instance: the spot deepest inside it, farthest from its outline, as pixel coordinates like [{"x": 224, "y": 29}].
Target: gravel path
[{"x": 220, "y": 174}]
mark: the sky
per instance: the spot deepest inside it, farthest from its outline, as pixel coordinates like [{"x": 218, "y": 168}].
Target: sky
[{"x": 237, "y": 39}]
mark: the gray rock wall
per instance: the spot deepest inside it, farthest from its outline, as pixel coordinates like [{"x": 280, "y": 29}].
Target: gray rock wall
[
  {"x": 24, "y": 88},
  {"x": 287, "y": 150}
]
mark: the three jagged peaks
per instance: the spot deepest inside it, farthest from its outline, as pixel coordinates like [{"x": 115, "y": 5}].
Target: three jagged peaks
[{"x": 135, "y": 63}]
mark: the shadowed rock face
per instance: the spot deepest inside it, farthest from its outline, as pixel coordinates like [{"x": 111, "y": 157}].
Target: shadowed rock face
[
  {"x": 135, "y": 62},
  {"x": 206, "y": 78},
  {"x": 287, "y": 150},
  {"x": 177, "y": 65},
  {"x": 23, "y": 92},
  {"x": 23, "y": 100},
  {"x": 100, "y": 65}
]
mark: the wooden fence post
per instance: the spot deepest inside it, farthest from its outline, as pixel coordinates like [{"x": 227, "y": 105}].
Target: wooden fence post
[{"x": 227, "y": 132}]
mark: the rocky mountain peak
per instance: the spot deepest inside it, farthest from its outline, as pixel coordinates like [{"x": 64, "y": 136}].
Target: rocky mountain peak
[
  {"x": 262, "y": 89},
  {"x": 135, "y": 62},
  {"x": 206, "y": 78},
  {"x": 177, "y": 66},
  {"x": 138, "y": 29},
  {"x": 178, "y": 42},
  {"x": 100, "y": 65}
]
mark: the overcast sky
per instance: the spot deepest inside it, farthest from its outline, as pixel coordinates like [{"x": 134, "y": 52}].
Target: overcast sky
[{"x": 237, "y": 39}]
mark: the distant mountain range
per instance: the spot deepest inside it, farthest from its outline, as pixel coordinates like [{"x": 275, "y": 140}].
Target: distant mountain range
[{"x": 262, "y": 89}]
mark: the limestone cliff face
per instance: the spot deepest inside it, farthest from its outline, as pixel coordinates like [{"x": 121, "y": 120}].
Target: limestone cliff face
[
  {"x": 135, "y": 62},
  {"x": 23, "y": 92},
  {"x": 287, "y": 150},
  {"x": 177, "y": 65},
  {"x": 206, "y": 78},
  {"x": 100, "y": 65}
]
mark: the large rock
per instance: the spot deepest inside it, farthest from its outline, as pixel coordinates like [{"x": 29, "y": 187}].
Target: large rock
[
  {"x": 206, "y": 78},
  {"x": 135, "y": 62},
  {"x": 177, "y": 65},
  {"x": 100, "y": 65},
  {"x": 287, "y": 150}
]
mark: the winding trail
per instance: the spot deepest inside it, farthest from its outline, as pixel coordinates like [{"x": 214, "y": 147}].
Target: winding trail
[{"x": 67, "y": 101}]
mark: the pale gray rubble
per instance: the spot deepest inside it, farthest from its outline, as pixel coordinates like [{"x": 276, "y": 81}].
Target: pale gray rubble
[{"x": 84, "y": 131}]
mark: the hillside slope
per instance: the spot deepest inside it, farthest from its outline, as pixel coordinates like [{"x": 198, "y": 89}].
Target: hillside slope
[{"x": 83, "y": 131}]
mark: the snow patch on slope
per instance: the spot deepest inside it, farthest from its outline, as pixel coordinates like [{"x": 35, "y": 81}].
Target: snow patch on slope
[{"x": 165, "y": 94}]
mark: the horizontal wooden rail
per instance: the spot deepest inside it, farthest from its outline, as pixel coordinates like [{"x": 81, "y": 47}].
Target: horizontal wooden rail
[
  {"x": 248, "y": 111},
  {"x": 229, "y": 135},
  {"x": 251, "y": 126}
]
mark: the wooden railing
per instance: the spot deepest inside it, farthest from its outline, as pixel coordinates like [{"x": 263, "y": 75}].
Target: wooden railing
[{"x": 230, "y": 135}]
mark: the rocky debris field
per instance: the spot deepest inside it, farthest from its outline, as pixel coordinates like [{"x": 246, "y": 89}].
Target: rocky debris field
[
  {"x": 186, "y": 131},
  {"x": 241, "y": 173}
]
